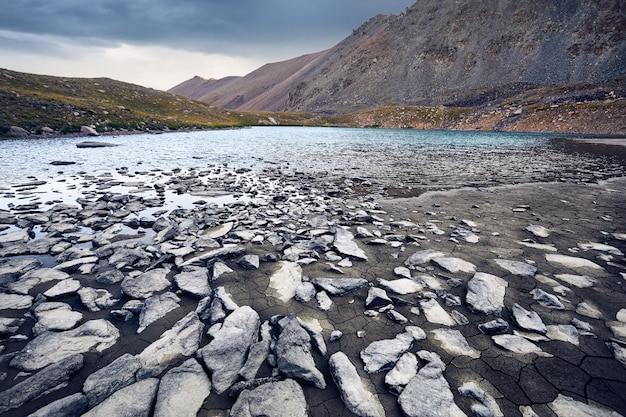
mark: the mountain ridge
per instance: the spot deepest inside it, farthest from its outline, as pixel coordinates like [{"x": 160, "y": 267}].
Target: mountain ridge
[{"x": 453, "y": 53}]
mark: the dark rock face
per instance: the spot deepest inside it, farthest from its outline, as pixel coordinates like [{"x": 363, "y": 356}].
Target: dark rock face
[{"x": 494, "y": 49}]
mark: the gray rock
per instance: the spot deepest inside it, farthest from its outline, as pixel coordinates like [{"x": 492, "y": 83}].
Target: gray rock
[
  {"x": 11, "y": 269},
  {"x": 401, "y": 286},
  {"x": 293, "y": 353},
  {"x": 10, "y": 325},
  {"x": 71, "y": 406},
  {"x": 355, "y": 395},
  {"x": 568, "y": 407},
  {"x": 486, "y": 405},
  {"x": 146, "y": 284},
  {"x": 344, "y": 243},
  {"x": 538, "y": 231},
  {"x": 454, "y": 265},
  {"x": 494, "y": 326},
  {"x": 129, "y": 258},
  {"x": 35, "y": 277},
  {"x": 156, "y": 307},
  {"x": 429, "y": 394},
  {"x": 516, "y": 344},
  {"x": 112, "y": 276},
  {"x": 376, "y": 298},
  {"x": 249, "y": 262},
  {"x": 258, "y": 354},
  {"x": 194, "y": 281},
  {"x": 402, "y": 373},
  {"x": 55, "y": 316},
  {"x": 135, "y": 400},
  {"x": 226, "y": 354},
  {"x": 65, "y": 287},
  {"x": 228, "y": 251},
  {"x": 453, "y": 342},
  {"x": 485, "y": 293},
  {"x": 76, "y": 264},
  {"x": 305, "y": 292},
  {"x": 382, "y": 355},
  {"x": 218, "y": 231},
  {"x": 339, "y": 286},
  {"x": 105, "y": 381},
  {"x": 90, "y": 131},
  {"x": 423, "y": 256},
  {"x": 517, "y": 268},
  {"x": 50, "y": 347},
  {"x": 274, "y": 399},
  {"x": 546, "y": 299},
  {"x": 219, "y": 269},
  {"x": 182, "y": 391},
  {"x": 96, "y": 299},
  {"x": 48, "y": 379},
  {"x": 15, "y": 301},
  {"x": 528, "y": 320},
  {"x": 11, "y": 238}
]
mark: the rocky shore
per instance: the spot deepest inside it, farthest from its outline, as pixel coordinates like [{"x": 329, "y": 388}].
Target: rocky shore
[{"x": 265, "y": 294}]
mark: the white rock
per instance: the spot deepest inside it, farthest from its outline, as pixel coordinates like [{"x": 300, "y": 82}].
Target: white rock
[
  {"x": 454, "y": 265},
  {"x": 453, "y": 342},
  {"x": 487, "y": 405},
  {"x": 35, "y": 277},
  {"x": 324, "y": 302},
  {"x": 572, "y": 262},
  {"x": 517, "y": 268},
  {"x": 517, "y": 344},
  {"x": 383, "y": 354},
  {"x": 355, "y": 395},
  {"x": 182, "y": 391},
  {"x": 567, "y": 407},
  {"x": 528, "y": 320},
  {"x": 548, "y": 248},
  {"x": 274, "y": 399},
  {"x": 344, "y": 243},
  {"x": 156, "y": 307},
  {"x": 15, "y": 301},
  {"x": 546, "y": 299},
  {"x": 485, "y": 293},
  {"x": 563, "y": 332},
  {"x": 285, "y": 281},
  {"x": 400, "y": 286},
  {"x": 538, "y": 231},
  {"x": 55, "y": 316},
  {"x": 435, "y": 314},
  {"x": 218, "y": 231},
  {"x": 580, "y": 281},
  {"x": 65, "y": 287},
  {"x": 134, "y": 400},
  {"x": 600, "y": 247},
  {"x": 588, "y": 309},
  {"x": 422, "y": 257},
  {"x": 402, "y": 373}
]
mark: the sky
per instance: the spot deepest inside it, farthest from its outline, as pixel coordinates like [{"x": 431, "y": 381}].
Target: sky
[{"x": 161, "y": 43}]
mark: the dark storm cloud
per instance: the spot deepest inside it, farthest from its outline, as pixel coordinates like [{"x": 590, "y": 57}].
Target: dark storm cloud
[{"x": 239, "y": 26}]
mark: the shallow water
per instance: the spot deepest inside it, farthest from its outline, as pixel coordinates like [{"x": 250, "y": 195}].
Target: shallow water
[{"x": 440, "y": 159}]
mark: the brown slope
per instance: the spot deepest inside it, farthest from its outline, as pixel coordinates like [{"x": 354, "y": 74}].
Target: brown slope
[
  {"x": 449, "y": 52},
  {"x": 197, "y": 87}
]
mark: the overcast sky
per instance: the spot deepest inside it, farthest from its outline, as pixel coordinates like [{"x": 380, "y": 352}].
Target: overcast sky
[{"x": 160, "y": 43}]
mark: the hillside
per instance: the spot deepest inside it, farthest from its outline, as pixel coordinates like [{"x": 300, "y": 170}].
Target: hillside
[
  {"x": 445, "y": 52},
  {"x": 40, "y": 104}
]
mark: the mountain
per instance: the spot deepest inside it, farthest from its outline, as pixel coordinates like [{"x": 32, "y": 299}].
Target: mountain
[
  {"x": 41, "y": 103},
  {"x": 442, "y": 52}
]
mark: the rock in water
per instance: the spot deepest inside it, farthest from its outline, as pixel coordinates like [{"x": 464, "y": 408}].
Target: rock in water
[
  {"x": 50, "y": 347},
  {"x": 293, "y": 353},
  {"x": 344, "y": 243},
  {"x": 182, "y": 391},
  {"x": 485, "y": 293},
  {"x": 43, "y": 381},
  {"x": 226, "y": 354},
  {"x": 274, "y": 399},
  {"x": 383, "y": 354},
  {"x": 356, "y": 397},
  {"x": 429, "y": 395},
  {"x": 135, "y": 400}
]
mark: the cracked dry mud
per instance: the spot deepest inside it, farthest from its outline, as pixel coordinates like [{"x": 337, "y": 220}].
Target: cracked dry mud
[{"x": 493, "y": 301}]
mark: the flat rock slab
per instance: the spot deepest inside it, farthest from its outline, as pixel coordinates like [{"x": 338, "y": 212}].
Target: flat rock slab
[
  {"x": 454, "y": 265},
  {"x": 517, "y": 268},
  {"x": 339, "y": 286},
  {"x": 344, "y": 243},
  {"x": 382, "y": 355},
  {"x": 94, "y": 144},
  {"x": 274, "y": 399},
  {"x": 135, "y": 400},
  {"x": 285, "y": 281},
  {"x": 572, "y": 262},
  {"x": 485, "y": 293},
  {"x": 50, "y": 347},
  {"x": 182, "y": 390},
  {"x": 146, "y": 284},
  {"x": 15, "y": 301}
]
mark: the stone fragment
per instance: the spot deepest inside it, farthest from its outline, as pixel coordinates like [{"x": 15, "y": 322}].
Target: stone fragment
[
  {"x": 283, "y": 283},
  {"x": 15, "y": 301},
  {"x": 50, "y": 347},
  {"x": 579, "y": 281},
  {"x": 65, "y": 287},
  {"x": 324, "y": 302},
  {"x": 538, "y": 231},
  {"x": 273, "y": 399},
  {"x": 402, "y": 373},
  {"x": 435, "y": 313},
  {"x": 55, "y": 316},
  {"x": 485, "y": 293},
  {"x": 105, "y": 381},
  {"x": 259, "y": 350},
  {"x": 382, "y": 355},
  {"x": 136, "y": 400},
  {"x": 454, "y": 265},
  {"x": 568, "y": 407},
  {"x": 182, "y": 391},
  {"x": 572, "y": 262},
  {"x": 293, "y": 353},
  {"x": 194, "y": 281},
  {"x": 218, "y": 231},
  {"x": 96, "y": 299},
  {"x": 156, "y": 307},
  {"x": 34, "y": 277},
  {"x": 305, "y": 292},
  {"x": 339, "y": 286},
  {"x": 564, "y": 332},
  {"x": 453, "y": 342},
  {"x": 429, "y": 394},
  {"x": 401, "y": 286},
  {"x": 516, "y": 344},
  {"x": 528, "y": 320},
  {"x": 422, "y": 257},
  {"x": 344, "y": 243},
  {"x": 71, "y": 406},
  {"x": 10, "y": 325},
  {"x": 48, "y": 379},
  {"x": 517, "y": 268},
  {"x": 249, "y": 261},
  {"x": 486, "y": 405},
  {"x": 494, "y": 326},
  {"x": 226, "y": 354},
  {"x": 355, "y": 395},
  {"x": 146, "y": 284},
  {"x": 546, "y": 299},
  {"x": 377, "y": 298}
]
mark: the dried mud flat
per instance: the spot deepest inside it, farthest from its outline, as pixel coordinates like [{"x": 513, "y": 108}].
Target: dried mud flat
[{"x": 268, "y": 294}]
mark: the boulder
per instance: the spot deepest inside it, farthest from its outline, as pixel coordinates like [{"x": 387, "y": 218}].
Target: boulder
[
  {"x": 355, "y": 395},
  {"x": 48, "y": 379},
  {"x": 135, "y": 400},
  {"x": 293, "y": 353},
  {"x": 382, "y": 355},
  {"x": 18, "y": 131},
  {"x": 273, "y": 399},
  {"x": 226, "y": 354},
  {"x": 50, "y": 347},
  {"x": 182, "y": 391},
  {"x": 485, "y": 293},
  {"x": 105, "y": 381}
]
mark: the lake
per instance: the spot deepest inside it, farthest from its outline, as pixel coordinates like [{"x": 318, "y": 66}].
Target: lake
[{"x": 394, "y": 158}]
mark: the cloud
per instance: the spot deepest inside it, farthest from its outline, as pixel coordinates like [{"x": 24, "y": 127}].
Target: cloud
[{"x": 160, "y": 41}]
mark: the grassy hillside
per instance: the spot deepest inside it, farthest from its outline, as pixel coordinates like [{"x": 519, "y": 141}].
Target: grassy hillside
[{"x": 33, "y": 102}]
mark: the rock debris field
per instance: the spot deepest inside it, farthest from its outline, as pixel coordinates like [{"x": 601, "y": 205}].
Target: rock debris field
[{"x": 262, "y": 294}]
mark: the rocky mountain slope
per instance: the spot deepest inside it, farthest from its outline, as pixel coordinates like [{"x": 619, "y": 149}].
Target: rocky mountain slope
[{"x": 452, "y": 53}]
